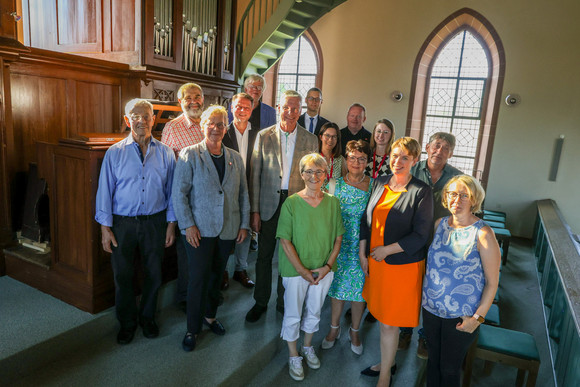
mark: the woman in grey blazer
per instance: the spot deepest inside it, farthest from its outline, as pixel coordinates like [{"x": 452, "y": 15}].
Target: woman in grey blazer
[{"x": 210, "y": 197}]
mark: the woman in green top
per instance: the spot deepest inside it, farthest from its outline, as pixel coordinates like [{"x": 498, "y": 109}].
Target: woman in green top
[{"x": 310, "y": 230}]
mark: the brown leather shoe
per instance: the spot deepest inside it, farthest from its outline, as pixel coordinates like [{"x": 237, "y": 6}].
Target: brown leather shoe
[
  {"x": 242, "y": 277},
  {"x": 226, "y": 281}
]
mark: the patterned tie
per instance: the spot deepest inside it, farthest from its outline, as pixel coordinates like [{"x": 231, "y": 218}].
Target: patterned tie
[{"x": 311, "y": 128}]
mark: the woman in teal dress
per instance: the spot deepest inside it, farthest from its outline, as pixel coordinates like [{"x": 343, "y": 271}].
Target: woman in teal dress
[{"x": 353, "y": 190}]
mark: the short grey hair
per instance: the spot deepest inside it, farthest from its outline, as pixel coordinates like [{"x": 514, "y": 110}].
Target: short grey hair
[
  {"x": 290, "y": 94},
  {"x": 313, "y": 158},
  {"x": 445, "y": 137},
  {"x": 138, "y": 102},
  {"x": 255, "y": 78}
]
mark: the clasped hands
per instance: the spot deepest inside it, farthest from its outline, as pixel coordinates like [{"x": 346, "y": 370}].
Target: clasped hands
[{"x": 308, "y": 275}]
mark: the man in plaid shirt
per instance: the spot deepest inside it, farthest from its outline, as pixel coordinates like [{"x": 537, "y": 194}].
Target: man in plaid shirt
[
  {"x": 184, "y": 130},
  {"x": 180, "y": 133}
]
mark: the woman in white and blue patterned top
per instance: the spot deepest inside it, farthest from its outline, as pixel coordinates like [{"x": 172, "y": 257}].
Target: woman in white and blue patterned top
[{"x": 460, "y": 282}]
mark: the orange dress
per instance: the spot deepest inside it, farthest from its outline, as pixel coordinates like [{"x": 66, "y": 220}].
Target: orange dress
[{"x": 392, "y": 292}]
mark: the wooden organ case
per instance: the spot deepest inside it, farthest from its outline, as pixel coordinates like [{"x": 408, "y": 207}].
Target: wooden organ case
[{"x": 81, "y": 63}]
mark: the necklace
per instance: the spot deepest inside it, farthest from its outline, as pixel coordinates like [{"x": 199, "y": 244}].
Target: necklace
[
  {"x": 350, "y": 182},
  {"x": 396, "y": 186},
  {"x": 218, "y": 156}
]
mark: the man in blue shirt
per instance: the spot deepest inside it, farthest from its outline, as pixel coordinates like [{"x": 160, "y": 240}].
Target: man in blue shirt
[{"x": 133, "y": 206}]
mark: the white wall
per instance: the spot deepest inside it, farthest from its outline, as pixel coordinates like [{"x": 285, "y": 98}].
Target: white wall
[{"x": 369, "y": 48}]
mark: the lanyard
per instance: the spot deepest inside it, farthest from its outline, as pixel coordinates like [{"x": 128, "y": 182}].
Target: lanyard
[
  {"x": 329, "y": 175},
  {"x": 376, "y": 173}
]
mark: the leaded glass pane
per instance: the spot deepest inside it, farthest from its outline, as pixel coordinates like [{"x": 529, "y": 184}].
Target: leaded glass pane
[
  {"x": 469, "y": 98},
  {"x": 464, "y": 164},
  {"x": 307, "y": 58},
  {"x": 289, "y": 62},
  {"x": 447, "y": 62},
  {"x": 441, "y": 96},
  {"x": 466, "y": 133},
  {"x": 298, "y": 69},
  {"x": 474, "y": 63}
]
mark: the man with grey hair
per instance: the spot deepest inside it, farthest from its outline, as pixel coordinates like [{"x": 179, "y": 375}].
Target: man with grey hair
[
  {"x": 311, "y": 119},
  {"x": 263, "y": 116},
  {"x": 133, "y": 206},
  {"x": 180, "y": 133},
  {"x": 275, "y": 174},
  {"x": 184, "y": 130},
  {"x": 436, "y": 172}
]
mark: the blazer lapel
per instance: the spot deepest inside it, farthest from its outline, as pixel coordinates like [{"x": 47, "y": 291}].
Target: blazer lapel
[
  {"x": 275, "y": 138},
  {"x": 208, "y": 164}
]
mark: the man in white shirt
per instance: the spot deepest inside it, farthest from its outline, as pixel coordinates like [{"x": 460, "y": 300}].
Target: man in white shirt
[
  {"x": 312, "y": 120},
  {"x": 275, "y": 174},
  {"x": 240, "y": 137}
]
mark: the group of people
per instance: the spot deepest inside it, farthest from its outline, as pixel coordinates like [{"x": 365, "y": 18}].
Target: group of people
[{"x": 353, "y": 215}]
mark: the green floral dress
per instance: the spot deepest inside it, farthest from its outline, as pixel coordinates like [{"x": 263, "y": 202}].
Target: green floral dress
[{"x": 349, "y": 278}]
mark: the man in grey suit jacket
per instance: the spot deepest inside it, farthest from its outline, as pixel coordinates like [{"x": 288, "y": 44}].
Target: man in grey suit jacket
[
  {"x": 275, "y": 174},
  {"x": 241, "y": 137}
]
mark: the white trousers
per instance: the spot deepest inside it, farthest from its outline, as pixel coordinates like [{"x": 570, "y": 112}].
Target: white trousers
[{"x": 299, "y": 295}]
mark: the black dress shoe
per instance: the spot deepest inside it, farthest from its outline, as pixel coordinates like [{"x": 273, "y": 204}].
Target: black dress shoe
[
  {"x": 255, "y": 313},
  {"x": 188, "y": 343},
  {"x": 216, "y": 327},
  {"x": 150, "y": 329},
  {"x": 242, "y": 277},
  {"x": 125, "y": 335},
  {"x": 372, "y": 373}
]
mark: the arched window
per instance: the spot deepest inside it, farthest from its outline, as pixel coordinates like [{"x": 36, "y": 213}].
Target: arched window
[
  {"x": 457, "y": 83},
  {"x": 300, "y": 67},
  {"x": 456, "y": 88}
]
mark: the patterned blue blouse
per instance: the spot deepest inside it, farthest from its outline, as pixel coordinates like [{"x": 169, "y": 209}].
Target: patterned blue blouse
[{"x": 454, "y": 279}]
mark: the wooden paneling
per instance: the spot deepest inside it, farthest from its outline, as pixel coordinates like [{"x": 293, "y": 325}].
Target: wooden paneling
[
  {"x": 122, "y": 25},
  {"x": 39, "y": 114},
  {"x": 98, "y": 108},
  {"x": 72, "y": 222}
]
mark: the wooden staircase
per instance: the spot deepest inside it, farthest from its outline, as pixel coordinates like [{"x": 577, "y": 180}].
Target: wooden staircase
[{"x": 269, "y": 27}]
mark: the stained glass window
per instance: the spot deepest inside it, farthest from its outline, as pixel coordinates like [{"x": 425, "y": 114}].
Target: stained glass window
[
  {"x": 297, "y": 69},
  {"x": 457, "y": 85}
]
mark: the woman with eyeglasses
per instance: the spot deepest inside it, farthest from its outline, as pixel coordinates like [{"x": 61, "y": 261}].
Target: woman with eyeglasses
[
  {"x": 310, "y": 230},
  {"x": 394, "y": 231},
  {"x": 353, "y": 190},
  {"x": 329, "y": 147},
  {"x": 461, "y": 280},
  {"x": 211, "y": 202},
  {"x": 381, "y": 142}
]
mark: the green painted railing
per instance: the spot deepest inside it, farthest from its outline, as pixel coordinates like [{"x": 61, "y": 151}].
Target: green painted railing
[
  {"x": 257, "y": 14},
  {"x": 558, "y": 261}
]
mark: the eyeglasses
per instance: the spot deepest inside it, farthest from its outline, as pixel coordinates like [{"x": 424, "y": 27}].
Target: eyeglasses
[
  {"x": 360, "y": 160},
  {"x": 310, "y": 172},
  {"x": 329, "y": 136},
  {"x": 253, "y": 87},
  {"x": 219, "y": 125},
  {"x": 382, "y": 132},
  {"x": 454, "y": 195},
  {"x": 138, "y": 117},
  {"x": 314, "y": 99}
]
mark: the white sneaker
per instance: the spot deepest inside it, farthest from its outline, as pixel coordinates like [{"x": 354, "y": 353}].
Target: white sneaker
[
  {"x": 295, "y": 367},
  {"x": 311, "y": 358}
]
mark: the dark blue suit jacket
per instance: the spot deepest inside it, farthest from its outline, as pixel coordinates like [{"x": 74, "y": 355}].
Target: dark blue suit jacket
[
  {"x": 267, "y": 116},
  {"x": 321, "y": 121}
]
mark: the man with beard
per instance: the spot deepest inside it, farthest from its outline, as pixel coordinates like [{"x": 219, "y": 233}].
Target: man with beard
[
  {"x": 180, "y": 133},
  {"x": 184, "y": 130}
]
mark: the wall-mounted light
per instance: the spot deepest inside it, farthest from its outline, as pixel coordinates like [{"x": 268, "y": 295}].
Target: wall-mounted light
[
  {"x": 513, "y": 100},
  {"x": 397, "y": 96}
]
